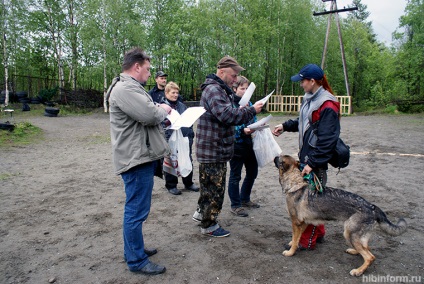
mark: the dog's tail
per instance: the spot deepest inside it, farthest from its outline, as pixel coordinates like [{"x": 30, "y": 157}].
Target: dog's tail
[{"x": 387, "y": 226}]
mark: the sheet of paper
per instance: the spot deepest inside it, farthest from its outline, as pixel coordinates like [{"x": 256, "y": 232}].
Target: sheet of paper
[
  {"x": 247, "y": 95},
  {"x": 173, "y": 116},
  {"x": 260, "y": 127},
  {"x": 264, "y": 100},
  {"x": 188, "y": 117},
  {"x": 262, "y": 122}
]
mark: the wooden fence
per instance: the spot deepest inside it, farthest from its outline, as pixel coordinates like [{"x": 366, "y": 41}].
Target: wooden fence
[{"x": 278, "y": 103}]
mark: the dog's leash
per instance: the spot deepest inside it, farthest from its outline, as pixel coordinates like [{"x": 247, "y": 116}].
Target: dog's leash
[{"x": 313, "y": 181}]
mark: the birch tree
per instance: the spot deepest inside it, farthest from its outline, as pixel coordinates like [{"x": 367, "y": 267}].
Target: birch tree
[{"x": 5, "y": 54}]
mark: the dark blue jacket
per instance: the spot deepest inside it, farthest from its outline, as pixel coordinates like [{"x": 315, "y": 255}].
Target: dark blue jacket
[
  {"x": 320, "y": 139},
  {"x": 156, "y": 94}
]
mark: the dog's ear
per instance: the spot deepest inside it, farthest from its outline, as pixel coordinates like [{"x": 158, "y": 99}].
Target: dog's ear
[{"x": 297, "y": 163}]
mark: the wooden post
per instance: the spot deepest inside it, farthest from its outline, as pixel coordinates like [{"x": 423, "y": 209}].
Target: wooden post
[
  {"x": 327, "y": 35},
  {"x": 334, "y": 10},
  {"x": 342, "y": 50}
]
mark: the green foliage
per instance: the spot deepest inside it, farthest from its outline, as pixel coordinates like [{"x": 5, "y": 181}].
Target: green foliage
[
  {"x": 48, "y": 94},
  {"x": 83, "y": 43}
]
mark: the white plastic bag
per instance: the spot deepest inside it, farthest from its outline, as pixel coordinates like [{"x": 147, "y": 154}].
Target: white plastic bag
[
  {"x": 178, "y": 163},
  {"x": 265, "y": 147}
]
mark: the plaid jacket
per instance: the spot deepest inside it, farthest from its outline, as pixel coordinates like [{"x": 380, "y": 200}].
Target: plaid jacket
[{"x": 215, "y": 129}]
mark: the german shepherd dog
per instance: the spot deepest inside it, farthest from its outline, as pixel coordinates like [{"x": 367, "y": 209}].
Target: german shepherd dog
[{"x": 312, "y": 207}]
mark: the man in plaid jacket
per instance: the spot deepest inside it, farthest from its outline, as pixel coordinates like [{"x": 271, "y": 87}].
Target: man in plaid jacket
[{"x": 215, "y": 141}]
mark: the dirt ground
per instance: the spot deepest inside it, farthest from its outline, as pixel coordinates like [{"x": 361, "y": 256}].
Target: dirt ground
[{"x": 61, "y": 210}]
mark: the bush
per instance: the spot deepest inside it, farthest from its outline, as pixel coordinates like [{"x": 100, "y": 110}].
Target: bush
[{"x": 48, "y": 94}]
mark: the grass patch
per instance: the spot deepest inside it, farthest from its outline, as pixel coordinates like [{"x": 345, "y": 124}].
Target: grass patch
[
  {"x": 4, "y": 176},
  {"x": 25, "y": 133}
]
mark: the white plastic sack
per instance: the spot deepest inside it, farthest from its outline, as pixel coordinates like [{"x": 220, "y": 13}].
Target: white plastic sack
[
  {"x": 265, "y": 147},
  {"x": 178, "y": 163}
]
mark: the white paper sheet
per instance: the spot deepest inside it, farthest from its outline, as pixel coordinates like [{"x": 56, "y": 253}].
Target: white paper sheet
[
  {"x": 260, "y": 123},
  {"x": 247, "y": 95},
  {"x": 264, "y": 100},
  {"x": 187, "y": 118},
  {"x": 173, "y": 116}
]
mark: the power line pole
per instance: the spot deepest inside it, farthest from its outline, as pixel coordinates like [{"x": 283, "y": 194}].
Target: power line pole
[{"x": 334, "y": 10}]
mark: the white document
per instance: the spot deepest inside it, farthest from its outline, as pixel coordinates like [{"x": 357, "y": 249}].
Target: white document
[
  {"x": 247, "y": 95},
  {"x": 261, "y": 123},
  {"x": 186, "y": 119},
  {"x": 264, "y": 100}
]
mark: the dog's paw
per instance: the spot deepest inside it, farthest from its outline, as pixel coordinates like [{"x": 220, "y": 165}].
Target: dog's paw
[
  {"x": 356, "y": 272},
  {"x": 288, "y": 253},
  {"x": 352, "y": 251}
]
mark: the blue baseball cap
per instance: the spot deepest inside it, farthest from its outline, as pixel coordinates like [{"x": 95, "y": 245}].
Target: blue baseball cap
[{"x": 310, "y": 71}]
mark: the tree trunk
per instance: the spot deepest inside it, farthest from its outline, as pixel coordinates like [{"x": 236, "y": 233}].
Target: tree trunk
[
  {"x": 5, "y": 59},
  {"x": 105, "y": 102}
]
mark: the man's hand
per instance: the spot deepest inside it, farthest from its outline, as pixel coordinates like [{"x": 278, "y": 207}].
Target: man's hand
[
  {"x": 166, "y": 107},
  {"x": 278, "y": 129},
  {"x": 248, "y": 131},
  {"x": 258, "y": 106}
]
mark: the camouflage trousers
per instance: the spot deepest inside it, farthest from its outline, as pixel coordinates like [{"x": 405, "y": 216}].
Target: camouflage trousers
[{"x": 212, "y": 178}]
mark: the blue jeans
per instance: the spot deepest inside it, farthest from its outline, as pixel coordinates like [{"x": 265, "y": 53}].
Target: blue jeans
[
  {"x": 138, "y": 183},
  {"x": 237, "y": 195}
]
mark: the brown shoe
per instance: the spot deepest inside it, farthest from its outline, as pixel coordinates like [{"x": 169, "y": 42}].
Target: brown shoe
[
  {"x": 239, "y": 211},
  {"x": 250, "y": 204}
]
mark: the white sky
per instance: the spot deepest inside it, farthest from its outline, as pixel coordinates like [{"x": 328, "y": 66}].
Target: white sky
[{"x": 384, "y": 15}]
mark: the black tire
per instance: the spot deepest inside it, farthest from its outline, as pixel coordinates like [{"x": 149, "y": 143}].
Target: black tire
[
  {"x": 49, "y": 104},
  {"x": 35, "y": 101},
  {"x": 25, "y": 100},
  {"x": 50, "y": 114},
  {"x": 52, "y": 110},
  {"x": 22, "y": 94},
  {"x": 7, "y": 126},
  {"x": 26, "y": 107},
  {"x": 40, "y": 98},
  {"x": 3, "y": 93}
]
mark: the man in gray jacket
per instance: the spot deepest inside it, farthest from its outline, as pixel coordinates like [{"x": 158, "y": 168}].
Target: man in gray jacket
[{"x": 137, "y": 143}]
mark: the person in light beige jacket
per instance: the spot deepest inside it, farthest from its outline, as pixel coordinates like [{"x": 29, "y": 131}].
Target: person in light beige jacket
[{"x": 138, "y": 143}]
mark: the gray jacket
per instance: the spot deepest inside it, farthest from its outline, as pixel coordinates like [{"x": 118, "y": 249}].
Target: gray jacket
[{"x": 135, "y": 125}]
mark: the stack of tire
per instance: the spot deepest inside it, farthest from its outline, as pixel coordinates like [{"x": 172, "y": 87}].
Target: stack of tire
[
  {"x": 51, "y": 111},
  {"x": 23, "y": 98},
  {"x": 12, "y": 97}
]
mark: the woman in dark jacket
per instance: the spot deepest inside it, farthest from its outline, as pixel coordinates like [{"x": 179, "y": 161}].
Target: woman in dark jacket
[
  {"x": 171, "y": 98},
  {"x": 319, "y": 128}
]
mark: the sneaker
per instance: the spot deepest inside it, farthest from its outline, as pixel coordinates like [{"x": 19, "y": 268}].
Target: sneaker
[
  {"x": 192, "y": 187},
  {"x": 151, "y": 269},
  {"x": 239, "y": 211},
  {"x": 174, "y": 191},
  {"x": 218, "y": 233},
  {"x": 250, "y": 204},
  {"x": 197, "y": 217}
]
